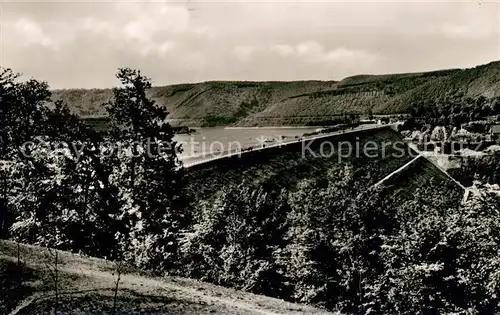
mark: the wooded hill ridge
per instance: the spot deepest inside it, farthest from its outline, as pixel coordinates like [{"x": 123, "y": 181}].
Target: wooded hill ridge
[{"x": 247, "y": 103}]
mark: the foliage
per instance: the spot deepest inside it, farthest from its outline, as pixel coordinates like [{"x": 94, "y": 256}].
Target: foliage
[
  {"x": 485, "y": 169},
  {"x": 455, "y": 110},
  {"x": 312, "y": 230},
  {"x": 151, "y": 183},
  {"x": 234, "y": 239},
  {"x": 70, "y": 188},
  {"x": 214, "y": 121},
  {"x": 378, "y": 251}
]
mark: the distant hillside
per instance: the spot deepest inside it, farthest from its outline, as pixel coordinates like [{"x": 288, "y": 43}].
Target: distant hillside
[
  {"x": 472, "y": 83},
  {"x": 300, "y": 102}
]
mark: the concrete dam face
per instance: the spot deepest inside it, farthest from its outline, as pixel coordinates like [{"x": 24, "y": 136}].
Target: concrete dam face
[{"x": 371, "y": 155}]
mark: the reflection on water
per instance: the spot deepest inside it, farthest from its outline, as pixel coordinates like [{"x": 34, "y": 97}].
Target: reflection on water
[{"x": 223, "y": 139}]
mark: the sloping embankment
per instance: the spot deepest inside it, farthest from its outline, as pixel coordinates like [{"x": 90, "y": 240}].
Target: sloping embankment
[{"x": 284, "y": 167}]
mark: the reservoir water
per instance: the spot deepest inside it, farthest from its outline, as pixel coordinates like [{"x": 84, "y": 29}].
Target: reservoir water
[{"x": 220, "y": 139}]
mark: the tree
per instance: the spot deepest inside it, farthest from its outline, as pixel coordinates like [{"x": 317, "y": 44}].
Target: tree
[
  {"x": 495, "y": 105},
  {"x": 53, "y": 271},
  {"x": 119, "y": 266},
  {"x": 92, "y": 195},
  {"x": 152, "y": 180},
  {"x": 236, "y": 238},
  {"x": 15, "y": 111},
  {"x": 370, "y": 114},
  {"x": 59, "y": 189},
  {"x": 25, "y": 115},
  {"x": 7, "y": 92}
]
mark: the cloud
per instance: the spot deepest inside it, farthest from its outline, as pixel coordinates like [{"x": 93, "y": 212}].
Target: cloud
[
  {"x": 349, "y": 55},
  {"x": 160, "y": 49},
  {"x": 283, "y": 50},
  {"x": 80, "y": 44},
  {"x": 94, "y": 25},
  {"x": 244, "y": 52},
  {"x": 142, "y": 26},
  {"x": 465, "y": 31},
  {"x": 28, "y": 33},
  {"x": 311, "y": 51},
  {"x": 153, "y": 19}
]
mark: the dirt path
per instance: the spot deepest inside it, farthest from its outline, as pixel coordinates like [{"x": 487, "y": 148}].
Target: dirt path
[{"x": 189, "y": 293}]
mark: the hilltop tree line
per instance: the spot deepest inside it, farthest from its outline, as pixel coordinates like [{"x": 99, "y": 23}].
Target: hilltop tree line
[{"x": 329, "y": 241}]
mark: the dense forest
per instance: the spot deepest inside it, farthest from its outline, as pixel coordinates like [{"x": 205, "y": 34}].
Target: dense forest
[{"x": 331, "y": 239}]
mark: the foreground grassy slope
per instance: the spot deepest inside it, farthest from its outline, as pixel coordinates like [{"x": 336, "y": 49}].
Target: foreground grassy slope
[
  {"x": 300, "y": 102},
  {"x": 86, "y": 287}
]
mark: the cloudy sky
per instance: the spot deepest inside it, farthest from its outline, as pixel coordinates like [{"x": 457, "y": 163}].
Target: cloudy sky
[{"x": 82, "y": 43}]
